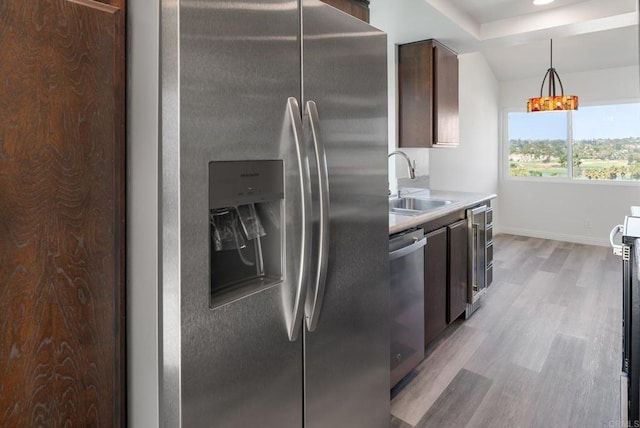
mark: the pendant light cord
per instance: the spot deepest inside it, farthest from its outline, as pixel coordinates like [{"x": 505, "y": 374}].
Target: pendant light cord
[{"x": 552, "y": 75}]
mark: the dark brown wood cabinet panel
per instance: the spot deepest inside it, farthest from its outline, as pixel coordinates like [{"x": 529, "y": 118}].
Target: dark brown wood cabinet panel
[
  {"x": 457, "y": 285},
  {"x": 428, "y": 95},
  {"x": 443, "y": 221},
  {"x": 445, "y": 99},
  {"x": 415, "y": 86},
  {"x": 357, "y": 8},
  {"x": 62, "y": 211},
  {"x": 435, "y": 284}
]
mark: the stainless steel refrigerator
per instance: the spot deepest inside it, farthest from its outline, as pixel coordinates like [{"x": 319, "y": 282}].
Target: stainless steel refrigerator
[{"x": 274, "y": 218}]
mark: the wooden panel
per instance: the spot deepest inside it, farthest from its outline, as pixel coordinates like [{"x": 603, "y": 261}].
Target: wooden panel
[
  {"x": 357, "y": 8},
  {"x": 427, "y": 95},
  {"x": 62, "y": 169},
  {"x": 445, "y": 113},
  {"x": 415, "y": 78},
  {"x": 399, "y": 423},
  {"x": 435, "y": 284},
  {"x": 457, "y": 278},
  {"x": 435, "y": 373},
  {"x": 551, "y": 346},
  {"x": 443, "y": 221},
  {"x": 458, "y": 402}
]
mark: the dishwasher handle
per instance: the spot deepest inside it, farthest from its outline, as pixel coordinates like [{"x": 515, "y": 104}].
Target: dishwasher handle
[{"x": 408, "y": 249}]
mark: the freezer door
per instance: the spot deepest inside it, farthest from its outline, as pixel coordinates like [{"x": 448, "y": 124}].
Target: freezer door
[
  {"x": 239, "y": 77},
  {"x": 347, "y": 353}
]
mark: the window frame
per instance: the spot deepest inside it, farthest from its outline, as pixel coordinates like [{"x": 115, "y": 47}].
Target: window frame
[{"x": 504, "y": 150}]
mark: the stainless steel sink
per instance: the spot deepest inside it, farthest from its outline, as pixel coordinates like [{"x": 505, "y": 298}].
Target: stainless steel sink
[{"x": 414, "y": 206}]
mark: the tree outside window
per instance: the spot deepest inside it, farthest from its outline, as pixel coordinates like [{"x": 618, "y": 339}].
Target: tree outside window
[{"x": 593, "y": 143}]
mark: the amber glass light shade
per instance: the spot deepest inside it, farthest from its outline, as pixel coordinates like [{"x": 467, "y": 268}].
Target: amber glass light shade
[
  {"x": 557, "y": 103},
  {"x": 552, "y": 102}
]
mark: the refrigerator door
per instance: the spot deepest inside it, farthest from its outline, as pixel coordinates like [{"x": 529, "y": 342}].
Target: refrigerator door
[
  {"x": 239, "y": 64},
  {"x": 347, "y": 353}
]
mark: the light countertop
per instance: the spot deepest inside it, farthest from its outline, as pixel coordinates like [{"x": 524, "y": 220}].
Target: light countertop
[{"x": 460, "y": 200}]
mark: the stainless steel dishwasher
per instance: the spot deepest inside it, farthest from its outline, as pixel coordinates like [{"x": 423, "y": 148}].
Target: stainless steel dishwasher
[{"x": 406, "y": 265}]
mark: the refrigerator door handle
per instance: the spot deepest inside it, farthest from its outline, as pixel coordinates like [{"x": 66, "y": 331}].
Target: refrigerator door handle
[
  {"x": 314, "y": 307},
  {"x": 305, "y": 202}
]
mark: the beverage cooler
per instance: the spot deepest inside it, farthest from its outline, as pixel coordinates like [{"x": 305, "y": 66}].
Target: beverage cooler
[{"x": 628, "y": 248}]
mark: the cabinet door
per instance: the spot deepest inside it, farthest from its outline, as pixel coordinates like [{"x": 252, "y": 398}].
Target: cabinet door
[
  {"x": 435, "y": 284},
  {"x": 415, "y": 90},
  {"x": 445, "y": 102},
  {"x": 457, "y": 284},
  {"x": 357, "y": 8},
  {"x": 427, "y": 95}
]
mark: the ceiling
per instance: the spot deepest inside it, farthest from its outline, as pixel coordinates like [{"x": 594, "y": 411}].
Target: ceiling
[
  {"x": 484, "y": 11},
  {"x": 513, "y": 35}
]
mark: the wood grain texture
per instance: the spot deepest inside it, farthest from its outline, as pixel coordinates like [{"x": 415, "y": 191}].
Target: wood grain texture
[
  {"x": 62, "y": 169},
  {"x": 435, "y": 373},
  {"x": 457, "y": 281},
  {"x": 427, "y": 95},
  {"x": 445, "y": 105},
  {"x": 356, "y": 8},
  {"x": 435, "y": 284},
  {"x": 399, "y": 423},
  {"x": 546, "y": 341},
  {"x": 415, "y": 94},
  {"x": 458, "y": 402}
]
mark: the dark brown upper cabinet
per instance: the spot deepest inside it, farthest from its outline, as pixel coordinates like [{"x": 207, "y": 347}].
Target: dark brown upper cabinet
[
  {"x": 428, "y": 95},
  {"x": 357, "y": 8}
]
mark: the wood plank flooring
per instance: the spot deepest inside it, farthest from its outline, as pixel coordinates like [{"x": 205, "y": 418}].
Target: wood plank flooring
[{"x": 543, "y": 350}]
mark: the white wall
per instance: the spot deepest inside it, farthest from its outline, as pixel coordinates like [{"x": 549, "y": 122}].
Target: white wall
[
  {"x": 397, "y": 164},
  {"x": 142, "y": 213},
  {"x": 473, "y": 165},
  {"x": 404, "y": 22},
  {"x": 570, "y": 211}
]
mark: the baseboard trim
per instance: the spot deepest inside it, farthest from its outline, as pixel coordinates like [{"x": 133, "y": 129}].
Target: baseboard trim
[{"x": 577, "y": 239}]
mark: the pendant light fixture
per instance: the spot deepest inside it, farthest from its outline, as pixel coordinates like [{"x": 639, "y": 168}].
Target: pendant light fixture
[{"x": 552, "y": 102}]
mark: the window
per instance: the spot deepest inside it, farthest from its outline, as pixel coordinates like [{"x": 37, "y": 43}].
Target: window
[{"x": 592, "y": 143}]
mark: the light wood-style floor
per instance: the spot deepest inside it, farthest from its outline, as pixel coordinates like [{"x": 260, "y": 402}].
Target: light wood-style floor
[{"x": 543, "y": 350}]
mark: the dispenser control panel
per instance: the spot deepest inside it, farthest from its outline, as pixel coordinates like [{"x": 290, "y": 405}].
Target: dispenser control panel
[{"x": 233, "y": 183}]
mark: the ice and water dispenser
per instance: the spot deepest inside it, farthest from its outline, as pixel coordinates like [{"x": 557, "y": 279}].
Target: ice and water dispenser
[{"x": 245, "y": 226}]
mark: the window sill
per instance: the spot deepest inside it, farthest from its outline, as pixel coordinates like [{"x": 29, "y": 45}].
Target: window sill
[{"x": 556, "y": 180}]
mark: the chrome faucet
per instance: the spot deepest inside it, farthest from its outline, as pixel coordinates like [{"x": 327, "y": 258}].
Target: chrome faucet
[{"x": 412, "y": 170}]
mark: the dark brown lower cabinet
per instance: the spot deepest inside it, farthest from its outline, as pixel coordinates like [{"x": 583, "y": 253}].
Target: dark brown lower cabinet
[
  {"x": 435, "y": 284},
  {"x": 457, "y": 284}
]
